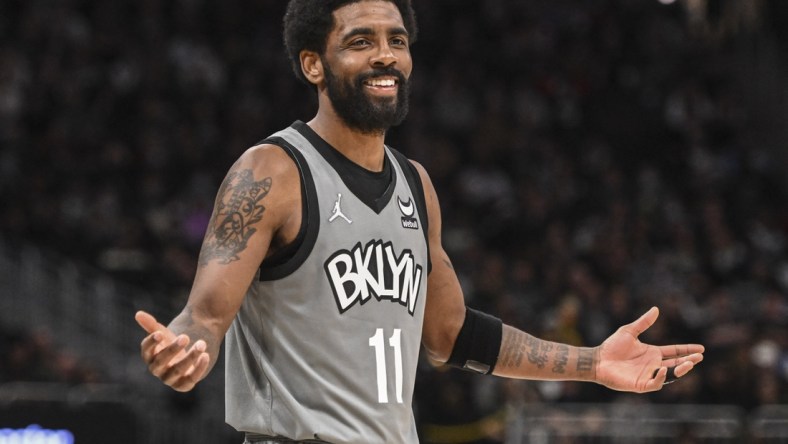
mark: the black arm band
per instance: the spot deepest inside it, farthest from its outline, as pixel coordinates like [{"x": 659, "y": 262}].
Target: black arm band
[{"x": 478, "y": 343}]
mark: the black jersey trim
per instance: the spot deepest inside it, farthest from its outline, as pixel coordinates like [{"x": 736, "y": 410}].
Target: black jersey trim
[
  {"x": 417, "y": 187},
  {"x": 346, "y": 169},
  {"x": 289, "y": 258}
]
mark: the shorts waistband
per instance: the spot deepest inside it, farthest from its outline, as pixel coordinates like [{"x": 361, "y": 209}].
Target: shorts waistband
[{"x": 255, "y": 438}]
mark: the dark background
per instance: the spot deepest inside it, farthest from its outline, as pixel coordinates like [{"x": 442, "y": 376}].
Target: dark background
[{"x": 592, "y": 159}]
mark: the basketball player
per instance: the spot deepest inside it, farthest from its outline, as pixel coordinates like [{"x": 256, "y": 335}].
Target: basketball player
[{"x": 323, "y": 270}]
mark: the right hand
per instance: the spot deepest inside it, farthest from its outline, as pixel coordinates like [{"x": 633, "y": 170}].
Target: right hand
[
  {"x": 167, "y": 356},
  {"x": 627, "y": 364}
]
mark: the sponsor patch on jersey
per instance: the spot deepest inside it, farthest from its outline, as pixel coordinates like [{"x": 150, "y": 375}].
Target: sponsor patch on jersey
[{"x": 408, "y": 209}]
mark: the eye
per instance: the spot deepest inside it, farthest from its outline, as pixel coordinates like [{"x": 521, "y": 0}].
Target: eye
[
  {"x": 359, "y": 43},
  {"x": 399, "y": 41}
]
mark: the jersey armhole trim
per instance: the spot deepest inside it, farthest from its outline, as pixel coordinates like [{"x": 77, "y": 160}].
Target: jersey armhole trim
[
  {"x": 414, "y": 181},
  {"x": 310, "y": 219}
]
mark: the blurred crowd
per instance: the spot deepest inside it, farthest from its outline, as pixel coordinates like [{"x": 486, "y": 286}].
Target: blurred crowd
[
  {"x": 592, "y": 159},
  {"x": 34, "y": 356}
]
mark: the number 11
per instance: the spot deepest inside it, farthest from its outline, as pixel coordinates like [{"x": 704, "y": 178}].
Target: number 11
[{"x": 376, "y": 341}]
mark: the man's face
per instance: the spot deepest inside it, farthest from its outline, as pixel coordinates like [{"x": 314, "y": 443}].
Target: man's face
[{"x": 366, "y": 66}]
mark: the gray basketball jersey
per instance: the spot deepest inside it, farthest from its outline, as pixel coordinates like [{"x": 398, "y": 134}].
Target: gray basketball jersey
[{"x": 326, "y": 345}]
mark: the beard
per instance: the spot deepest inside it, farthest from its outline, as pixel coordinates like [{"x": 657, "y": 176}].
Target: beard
[{"x": 361, "y": 112}]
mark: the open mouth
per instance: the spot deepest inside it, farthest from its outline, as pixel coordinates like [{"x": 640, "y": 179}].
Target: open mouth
[{"x": 381, "y": 82}]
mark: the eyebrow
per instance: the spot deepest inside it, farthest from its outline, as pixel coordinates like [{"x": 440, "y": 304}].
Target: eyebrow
[{"x": 368, "y": 31}]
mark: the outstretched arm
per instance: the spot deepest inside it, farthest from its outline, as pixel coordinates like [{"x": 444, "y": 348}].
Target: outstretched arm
[
  {"x": 254, "y": 207},
  {"x": 622, "y": 362}
]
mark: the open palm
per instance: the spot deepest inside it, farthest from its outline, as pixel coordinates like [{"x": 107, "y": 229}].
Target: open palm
[{"x": 627, "y": 364}]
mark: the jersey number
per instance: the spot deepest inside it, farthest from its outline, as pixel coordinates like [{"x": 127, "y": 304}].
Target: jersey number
[{"x": 376, "y": 342}]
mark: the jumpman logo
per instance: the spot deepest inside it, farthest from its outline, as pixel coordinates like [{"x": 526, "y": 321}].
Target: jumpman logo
[{"x": 337, "y": 212}]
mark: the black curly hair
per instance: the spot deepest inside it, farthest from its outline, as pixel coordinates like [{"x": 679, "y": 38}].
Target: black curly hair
[{"x": 307, "y": 24}]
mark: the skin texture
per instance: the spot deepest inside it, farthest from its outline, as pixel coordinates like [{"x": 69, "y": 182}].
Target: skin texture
[{"x": 256, "y": 213}]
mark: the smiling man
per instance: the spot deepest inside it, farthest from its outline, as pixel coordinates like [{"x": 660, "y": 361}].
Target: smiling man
[{"x": 323, "y": 268}]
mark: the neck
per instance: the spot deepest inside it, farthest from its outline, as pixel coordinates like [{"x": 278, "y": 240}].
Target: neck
[{"x": 366, "y": 150}]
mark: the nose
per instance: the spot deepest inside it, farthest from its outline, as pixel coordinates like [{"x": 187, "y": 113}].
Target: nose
[{"x": 383, "y": 57}]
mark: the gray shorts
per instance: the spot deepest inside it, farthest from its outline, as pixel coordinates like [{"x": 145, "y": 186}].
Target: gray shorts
[{"x": 254, "y": 438}]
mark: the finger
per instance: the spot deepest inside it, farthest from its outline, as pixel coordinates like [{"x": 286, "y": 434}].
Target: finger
[
  {"x": 158, "y": 333},
  {"x": 643, "y": 323},
  {"x": 148, "y": 346},
  {"x": 148, "y": 322},
  {"x": 198, "y": 349},
  {"x": 672, "y": 351},
  {"x": 657, "y": 380},
  {"x": 665, "y": 374},
  {"x": 684, "y": 368},
  {"x": 673, "y": 362},
  {"x": 184, "y": 367},
  {"x": 674, "y": 373},
  {"x": 194, "y": 374},
  {"x": 671, "y": 374},
  {"x": 200, "y": 366},
  {"x": 164, "y": 359}
]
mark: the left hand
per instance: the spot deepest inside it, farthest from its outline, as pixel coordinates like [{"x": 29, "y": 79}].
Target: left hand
[
  {"x": 626, "y": 364},
  {"x": 168, "y": 356}
]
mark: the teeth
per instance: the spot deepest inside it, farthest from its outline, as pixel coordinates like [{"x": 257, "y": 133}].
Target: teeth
[{"x": 376, "y": 82}]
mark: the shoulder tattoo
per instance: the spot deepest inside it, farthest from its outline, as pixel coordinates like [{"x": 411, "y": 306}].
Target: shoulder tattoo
[{"x": 238, "y": 207}]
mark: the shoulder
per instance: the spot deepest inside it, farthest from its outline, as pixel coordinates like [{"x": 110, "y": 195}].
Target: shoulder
[
  {"x": 270, "y": 163},
  {"x": 429, "y": 190},
  {"x": 267, "y": 159},
  {"x": 421, "y": 170},
  {"x": 267, "y": 174}
]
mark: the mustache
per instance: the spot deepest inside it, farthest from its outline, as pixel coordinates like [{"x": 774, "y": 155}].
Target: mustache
[{"x": 378, "y": 72}]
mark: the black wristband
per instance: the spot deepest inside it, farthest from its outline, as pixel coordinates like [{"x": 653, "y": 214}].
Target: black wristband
[{"x": 478, "y": 344}]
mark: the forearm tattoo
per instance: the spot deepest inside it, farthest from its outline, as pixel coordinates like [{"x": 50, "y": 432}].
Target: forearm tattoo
[
  {"x": 585, "y": 360},
  {"x": 512, "y": 353},
  {"x": 538, "y": 351},
  {"x": 553, "y": 357},
  {"x": 238, "y": 207},
  {"x": 561, "y": 358}
]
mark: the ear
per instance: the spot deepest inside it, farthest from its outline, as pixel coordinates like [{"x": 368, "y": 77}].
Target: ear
[{"x": 311, "y": 66}]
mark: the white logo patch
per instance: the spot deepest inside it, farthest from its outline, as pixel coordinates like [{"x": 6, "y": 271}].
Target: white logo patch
[
  {"x": 337, "y": 212},
  {"x": 408, "y": 210}
]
